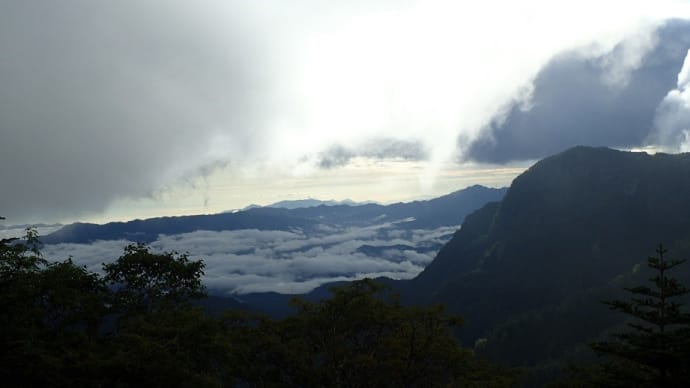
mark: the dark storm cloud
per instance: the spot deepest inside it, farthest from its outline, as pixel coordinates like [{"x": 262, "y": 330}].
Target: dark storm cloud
[
  {"x": 572, "y": 104},
  {"x": 335, "y": 156},
  {"x": 101, "y": 100},
  {"x": 338, "y": 156}
]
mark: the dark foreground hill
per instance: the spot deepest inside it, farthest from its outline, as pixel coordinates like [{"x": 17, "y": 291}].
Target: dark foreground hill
[
  {"x": 447, "y": 210},
  {"x": 529, "y": 272}
]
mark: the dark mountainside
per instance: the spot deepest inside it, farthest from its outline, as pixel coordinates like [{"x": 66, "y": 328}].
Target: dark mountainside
[
  {"x": 528, "y": 273},
  {"x": 149, "y": 229},
  {"x": 447, "y": 210}
]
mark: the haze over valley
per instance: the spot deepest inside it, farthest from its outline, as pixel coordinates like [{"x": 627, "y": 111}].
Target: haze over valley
[{"x": 287, "y": 250}]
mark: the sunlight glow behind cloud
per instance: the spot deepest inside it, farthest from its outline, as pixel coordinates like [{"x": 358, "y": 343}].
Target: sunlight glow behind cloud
[{"x": 123, "y": 101}]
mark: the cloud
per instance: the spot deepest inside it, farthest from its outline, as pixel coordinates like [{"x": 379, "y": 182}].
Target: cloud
[
  {"x": 92, "y": 256},
  {"x": 672, "y": 120},
  {"x": 114, "y": 100},
  {"x": 337, "y": 156},
  {"x": 583, "y": 100},
  {"x": 246, "y": 261},
  {"x": 12, "y": 231}
]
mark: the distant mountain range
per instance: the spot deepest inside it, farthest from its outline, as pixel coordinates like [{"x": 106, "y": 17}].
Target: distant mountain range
[
  {"x": 309, "y": 202},
  {"x": 447, "y": 210}
]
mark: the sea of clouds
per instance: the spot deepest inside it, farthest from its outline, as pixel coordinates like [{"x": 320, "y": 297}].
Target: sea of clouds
[{"x": 248, "y": 261}]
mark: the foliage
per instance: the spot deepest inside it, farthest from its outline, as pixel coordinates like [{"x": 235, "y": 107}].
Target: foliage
[
  {"x": 50, "y": 314},
  {"x": 365, "y": 337},
  {"x": 137, "y": 325},
  {"x": 177, "y": 347},
  {"x": 146, "y": 281},
  {"x": 656, "y": 352},
  {"x": 57, "y": 320},
  {"x": 161, "y": 338}
]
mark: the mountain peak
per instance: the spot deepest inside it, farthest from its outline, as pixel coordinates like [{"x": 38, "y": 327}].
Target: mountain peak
[{"x": 567, "y": 227}]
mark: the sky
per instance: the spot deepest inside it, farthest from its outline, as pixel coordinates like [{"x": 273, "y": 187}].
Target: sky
[{"x": 113, "y": 110}]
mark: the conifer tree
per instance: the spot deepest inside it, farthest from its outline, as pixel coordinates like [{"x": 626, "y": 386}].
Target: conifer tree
[{"x": 656, "y": 351}]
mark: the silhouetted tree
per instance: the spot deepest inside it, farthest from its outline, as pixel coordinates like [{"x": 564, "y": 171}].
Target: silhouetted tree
[
  {"x": 656, "y": 351},
  {"x": 20, "y": 315},
  {"x": 162, "y": 338},
  {"x": 363, "y": 336},
  {"x": 50, "y": 314},
  {"x": 144, "y": 281},
  {"x": 63, "y": 325}
]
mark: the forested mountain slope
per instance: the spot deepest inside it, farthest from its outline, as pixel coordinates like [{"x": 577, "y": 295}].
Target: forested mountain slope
[{"x": 529, "y": 272}]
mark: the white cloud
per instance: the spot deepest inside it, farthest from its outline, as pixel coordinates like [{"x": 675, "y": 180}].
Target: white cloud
[
  {"x": 128, "y": 100},
  {"x": 627, "y": 57},
  {"x": 672, "y": 121},
  {"x": 92, "y": 256},
  {"x": 245, "y": 261},
  {"x": 13, "y": 231}
]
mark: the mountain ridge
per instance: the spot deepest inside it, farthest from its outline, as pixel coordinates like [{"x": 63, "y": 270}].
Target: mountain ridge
[
  {"x": 446, "y": 210},
  {"x": 307, "y": 202},
  {"x": 570, "y": 227}
]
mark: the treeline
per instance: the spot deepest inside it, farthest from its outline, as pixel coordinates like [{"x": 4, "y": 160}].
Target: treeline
[
  {"x": 138, "y": 324},
  {"x": 654, "y": 350}
]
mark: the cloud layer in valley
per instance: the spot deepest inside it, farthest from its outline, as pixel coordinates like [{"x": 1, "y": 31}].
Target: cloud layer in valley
[
  {"x": 246, "y": 261},
  {"x": 104, "y": 101}
]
